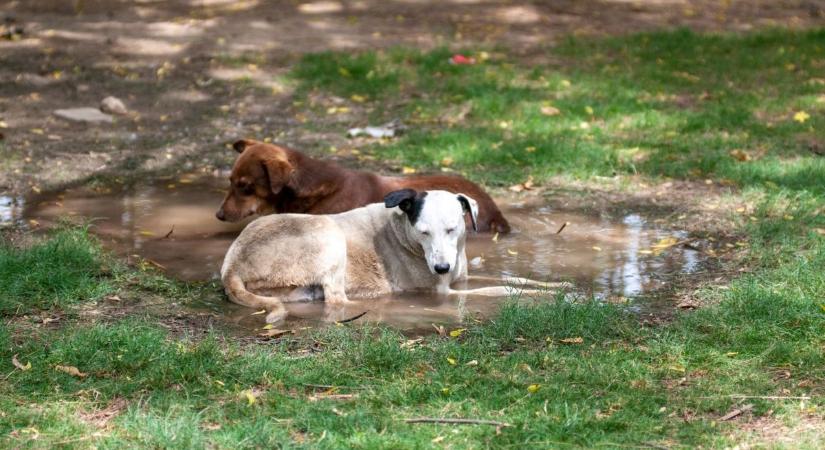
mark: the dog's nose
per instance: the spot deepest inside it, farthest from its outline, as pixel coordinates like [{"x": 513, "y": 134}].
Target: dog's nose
[
  {"x": 442, "y": 268},
  {"x": 220, "y": 215}
]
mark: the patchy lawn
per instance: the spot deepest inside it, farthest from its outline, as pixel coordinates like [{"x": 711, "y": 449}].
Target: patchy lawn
[{"x": 744, "y": 112}]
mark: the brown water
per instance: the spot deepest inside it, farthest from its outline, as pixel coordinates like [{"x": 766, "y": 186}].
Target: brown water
[{"x": 602, "y": 257}]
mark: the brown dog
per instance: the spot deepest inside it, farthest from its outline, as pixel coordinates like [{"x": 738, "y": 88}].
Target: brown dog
[{"x": 268, "y": 178}]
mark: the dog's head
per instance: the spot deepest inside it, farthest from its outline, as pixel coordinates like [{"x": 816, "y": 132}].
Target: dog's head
[
  {"x": 260, "y": 173},
  {"x": 435, "y": 220}
]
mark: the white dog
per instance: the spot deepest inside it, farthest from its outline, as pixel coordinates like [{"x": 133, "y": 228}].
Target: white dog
[{"x": 414, "y": 241}]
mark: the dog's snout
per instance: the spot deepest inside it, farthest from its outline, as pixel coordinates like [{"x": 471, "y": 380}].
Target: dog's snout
[
  {"x": 220, "y": 214},
  {"x": 442, "y": 268}
]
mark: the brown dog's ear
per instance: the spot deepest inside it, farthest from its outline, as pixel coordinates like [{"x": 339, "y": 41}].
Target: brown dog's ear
[
  {"x": 242, "y": 144},
  {"x": 278, "y": 172}
]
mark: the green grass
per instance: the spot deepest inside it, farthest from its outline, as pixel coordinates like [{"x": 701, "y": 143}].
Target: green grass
[
  {"x": 664, "y": 105},
  {"x": 669, "y": 104},
  {"x": 54, "y": 273}
]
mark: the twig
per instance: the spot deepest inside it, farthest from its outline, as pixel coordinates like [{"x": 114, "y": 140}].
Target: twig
[
  {"x": 736, "y": 412},
  {"x": 155, "y": 263},
  {"x": 457, "y": 421},
  {"x": 561, "y": 228},
  {"x": 169, "y": 233},
  {"x": 353, "y": 318},
  {"x": 764, "y": 397}
]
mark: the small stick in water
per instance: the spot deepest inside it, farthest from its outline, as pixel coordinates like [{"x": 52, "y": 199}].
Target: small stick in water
[
  {"x": 170, "y": 232},
  {"x": 561, "y": 228},
  {"x": 353, "y": 318}
]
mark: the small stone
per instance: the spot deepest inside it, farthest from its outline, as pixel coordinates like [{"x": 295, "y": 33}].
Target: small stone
[
  {"x": 83, "y": 115},
  {"x": 113, "y": 105}
]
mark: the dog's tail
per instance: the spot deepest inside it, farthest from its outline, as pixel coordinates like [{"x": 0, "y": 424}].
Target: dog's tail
[{"x": 237, "y": 292}]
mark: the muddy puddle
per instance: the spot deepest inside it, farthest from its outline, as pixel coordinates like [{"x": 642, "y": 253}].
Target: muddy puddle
[{"x": 172, "y": 224}]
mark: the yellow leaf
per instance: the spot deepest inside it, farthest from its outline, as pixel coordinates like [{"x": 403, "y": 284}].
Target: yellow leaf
[
  {"x": 566, "y": 83},
  {"x": 250, "y": 398},
  {"x": 358, "y": 98},
  {"x": 457, "y": 332},
  {"x": 451, "y": 361},
  {"x": 3, "y": 124},
  {"x": 801, "y": 116},
  {"x": 220, "y": 383},
  {"x": 787, "y": 217},
  {"x": 71, "y": 370},
  {"x": 822, "y": 306},
  {"x": 268, "y": 326},
  {"x": 447, "y": 161},
  {"x": 533, "y": 388},
  {"x": 146, "y": 233},
  {"x": 495, "y": 237},
  {"x": 731, "y": 354},
  {"x": 598, "y": 249},
  {"x": 344, "y": 72},
  {"x": 646, "y": 252},
  {"x": 573, "y": 340},
  {"x": 588, "y": 110},
  {"x": 512, "y": 252},
  {"x": 677, "y": 368},
  {"x": 20, "y": 366},
  {"x": 407, "y": 170},
  {"x": 665, "y": 243},
  {"x": 445, "y": 391}
]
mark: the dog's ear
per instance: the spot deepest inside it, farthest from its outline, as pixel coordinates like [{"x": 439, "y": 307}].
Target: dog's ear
[
  {"x": 403, "y": 199},
  {"x": 278, "y": 172},
  {"x": 242, "y": 144},
  {"x": 471, "y": 206}
]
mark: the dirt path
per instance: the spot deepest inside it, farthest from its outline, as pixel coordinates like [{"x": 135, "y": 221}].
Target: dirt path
[{"x": 181, "y": 67}]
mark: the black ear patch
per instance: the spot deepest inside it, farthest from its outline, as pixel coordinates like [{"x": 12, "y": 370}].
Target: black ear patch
[
  {"x": 408, "y": 200},
  {"x": 465, "y": 205}
]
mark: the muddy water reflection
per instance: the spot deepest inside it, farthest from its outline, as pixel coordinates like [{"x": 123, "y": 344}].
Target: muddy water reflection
[{"x": 171, "y": 222}]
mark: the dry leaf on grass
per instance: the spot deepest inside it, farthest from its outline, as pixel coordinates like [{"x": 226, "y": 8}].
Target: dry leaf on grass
[
  {"x": 71, "y": 370},
  {"x": 102, "y": 417},
  {"x": 573, "y": 340},
  {"x": 20, "y": 366}
]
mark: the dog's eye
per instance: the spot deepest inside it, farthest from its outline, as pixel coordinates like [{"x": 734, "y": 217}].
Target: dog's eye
[
  {"x": 248, "y": 189},
  {"x": 450, "y": 230},
  {"x": 425, "y": 233}
]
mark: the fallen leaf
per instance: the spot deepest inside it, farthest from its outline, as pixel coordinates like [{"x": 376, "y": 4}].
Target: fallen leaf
[
  {"x": 268, "y": 326},
  {"x": 801, "y": 116},
  {"x": 445, "y": 391},
  {"x": 71, "y": 370},
  {"x": 146, "y": 233},
  {"x": 457, "y": 332},
  {"x": 358, "y": 98},
  {"x": 472, "y": 363},
  {"x": 263, "y": 311},
  {"x": 447, "y": 161},
  {"x": 408, "y": 170},
  {"x": 820, "y": 231},
  {"x": 495, "y": 237},
  {"x": 451, "y": 361},
  {"x": 740, "y": 155},
  {"x": 273, "y": 332},
  {"x": 533, "y": 388},
  {"x": 573, "y": 340},
  {"x": 17, "y": 364},
  {"x": 344, "y": 72},
  {"x": 598, "y": 249},
  {"x": 588, "y": 110},
  {"x": 550, "y": 111},
  {"x": 512, "y": 252}
]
